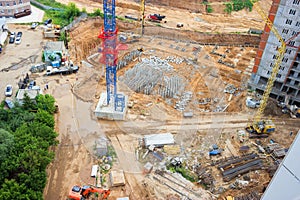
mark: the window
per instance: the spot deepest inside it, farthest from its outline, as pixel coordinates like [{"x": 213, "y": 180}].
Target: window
[
  {"x": 297, "y": 2},
  {"x": 7, "y": 3},
  {"x": 294, "y": 33},
  {"x": 15, "y": 3},
  {"x": 292, "y": 12},
  {"x": 298, "y": 24},
  {"x": 274, "y": 56},
  {"x": 284, "y": 59},
  {"x": 268, "y": 72},
  {"x": 288, "y": 21},
  {"x": 292, "y": 43},
  {"x": 278, "y": 75},
  {"x": 271, "y": 64},
  {"x": 20, "y": 2},
  {"x": 288, "y": 51},
  {"x": 1, "y": 11},
  {"x": 286, "y": 31},
  {"x": 281, "y": 68},
  {"x": 0, "y": 3}
]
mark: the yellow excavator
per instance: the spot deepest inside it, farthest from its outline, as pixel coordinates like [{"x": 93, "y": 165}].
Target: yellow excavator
[{"x": 262, "y": 128}]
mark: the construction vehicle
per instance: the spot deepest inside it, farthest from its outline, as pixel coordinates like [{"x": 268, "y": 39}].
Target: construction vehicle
[
  {"x": 155, "y": 18},
  {"x": 84, "y": 192},
  {"x": 262, "y": 128},
  {"x": 67, "y": 68},
  {"x": 52, "y": 31}
]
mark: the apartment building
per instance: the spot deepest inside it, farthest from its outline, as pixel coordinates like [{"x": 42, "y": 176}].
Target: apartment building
[
  {"x": 9, "y": 7},
  {"x": 285, "y": 15}
]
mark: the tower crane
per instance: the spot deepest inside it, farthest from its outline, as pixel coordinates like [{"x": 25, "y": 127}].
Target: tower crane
[
  {"x": 110, "y": 55},
  {"x": 259, "y": 127}
]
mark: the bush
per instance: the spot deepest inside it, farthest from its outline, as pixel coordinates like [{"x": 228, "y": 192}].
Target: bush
[
  {"x": 209, "y": 9},
  {"x": 236, "y": 5}
]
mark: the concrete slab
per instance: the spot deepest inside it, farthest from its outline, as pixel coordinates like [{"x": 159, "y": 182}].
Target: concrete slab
[
  {"x": 117, "y": 178},
  {"x": 104, "y": 111}
]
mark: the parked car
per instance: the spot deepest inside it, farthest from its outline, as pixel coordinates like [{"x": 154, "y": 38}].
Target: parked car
[
  {"x": 48, "y": 21},
  {"x": 9, "y": 103},
  {"x": 34, "y": 25},
  {"x": 31, "y": 84},
  {"x": 18, "y": 40},
  {"x": 11, "y": 40},
  {"x": 19, "y": 34},
  {"x": 8, "y": 90}
]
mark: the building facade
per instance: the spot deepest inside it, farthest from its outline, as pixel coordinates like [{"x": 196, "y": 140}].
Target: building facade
[
  {"x": 10, "y": 7},
  {"x": 285, "y": 15}
]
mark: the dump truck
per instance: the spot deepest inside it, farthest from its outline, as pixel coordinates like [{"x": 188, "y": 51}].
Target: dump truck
[{"x": 61, "y": 70}]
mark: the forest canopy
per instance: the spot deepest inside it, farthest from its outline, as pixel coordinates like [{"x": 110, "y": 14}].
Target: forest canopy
[{"x": 26, "y": 133}]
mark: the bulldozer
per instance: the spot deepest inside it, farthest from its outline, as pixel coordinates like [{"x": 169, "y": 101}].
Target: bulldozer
[
  {"x": 261, "y": 129},
  {"x": 84, "y": 192}
]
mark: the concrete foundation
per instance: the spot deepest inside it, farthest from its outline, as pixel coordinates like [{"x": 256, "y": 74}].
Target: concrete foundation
[{"x": 104, "y": 111}]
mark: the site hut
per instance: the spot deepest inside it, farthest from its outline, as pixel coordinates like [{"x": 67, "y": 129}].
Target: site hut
[
  {"x": 32, "y": 93},
  {"x": 54, "y": 53}
]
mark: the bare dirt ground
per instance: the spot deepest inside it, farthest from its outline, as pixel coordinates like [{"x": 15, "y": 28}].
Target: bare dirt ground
[
  {"x": 77, "y": 95},
  {"x": 213, "y": 22}
]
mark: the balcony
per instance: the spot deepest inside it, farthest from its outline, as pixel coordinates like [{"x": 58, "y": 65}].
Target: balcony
[{"x": 296, "y": 69}]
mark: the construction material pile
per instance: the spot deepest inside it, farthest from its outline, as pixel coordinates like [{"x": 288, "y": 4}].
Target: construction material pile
[
  {"x": 237, "y": 166},
  {"x": 128, "y": 58},
  {"x": 154, "y": 75}
]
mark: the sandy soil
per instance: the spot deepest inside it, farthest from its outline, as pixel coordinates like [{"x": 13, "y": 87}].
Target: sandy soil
[
  {"x": 236, "y": 22},
  {"x": 77, "y": 95}
]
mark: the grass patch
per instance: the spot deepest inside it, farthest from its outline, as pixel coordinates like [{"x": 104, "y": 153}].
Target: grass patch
[{"x": 184, "y": 172}]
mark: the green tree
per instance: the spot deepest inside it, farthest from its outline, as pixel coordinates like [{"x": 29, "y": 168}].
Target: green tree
[
  {"x": 11, "y": 189},
  {"x": 42, "y": 116},
  {"x": 28, "y": 103},
  {"x": 46, "y": 102},
  {"x": 97, "y": 12},
  {"x": 71, "y": 12},
  {"x": 6, "y": 144},
  {"x": 229, "y": 7},
  {"x": 24, "y": 148}
]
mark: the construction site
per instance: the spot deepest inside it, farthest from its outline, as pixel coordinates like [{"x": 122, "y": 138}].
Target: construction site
[
  {"x": 183, "y": 133},
  {"x": 174, "y": 102}
]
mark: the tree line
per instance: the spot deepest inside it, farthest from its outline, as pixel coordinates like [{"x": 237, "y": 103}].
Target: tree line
[{"x": 26, "y": 133}]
